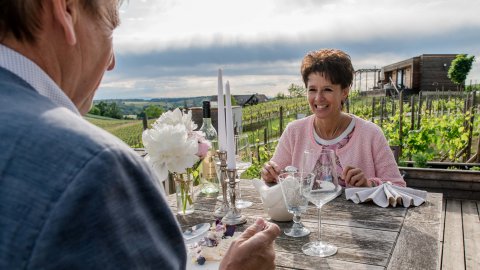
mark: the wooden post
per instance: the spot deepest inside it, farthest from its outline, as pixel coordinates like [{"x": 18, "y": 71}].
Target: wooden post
[
  {"x": 373, "y": 109},
  {"x": 412, "y": 112},
  {"x": 419, "y": 114},
  {"x": 400, "y": 120},
  {"x": 145, "y": 121},
  {"x": 477, "y": 160},
  {"x": 258, "y": 152},
  {"x": 412, "y": 118},
  {"x": 427, "y": 105},
  {"x": 470, "y": 126},
  {"x": 393, "y": 106},
  {"x": 281, "y": 119},
  {"x": 382, "y": 104},
  {"x": 265, "y": 138}
]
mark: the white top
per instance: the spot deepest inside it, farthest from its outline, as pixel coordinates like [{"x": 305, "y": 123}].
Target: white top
[
  {"x": 337, "y": 139},
  {"x": 35, "y": 76}
]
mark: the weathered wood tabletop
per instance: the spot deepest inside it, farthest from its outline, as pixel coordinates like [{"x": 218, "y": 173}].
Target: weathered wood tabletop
[{"x": 367, "y": 236}]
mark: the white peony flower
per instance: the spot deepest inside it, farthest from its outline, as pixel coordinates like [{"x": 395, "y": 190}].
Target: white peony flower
[
  {"x": 176, "y": 117},
  {"x": 171, "y": 143},
  {"x": 189, "y": 124}
]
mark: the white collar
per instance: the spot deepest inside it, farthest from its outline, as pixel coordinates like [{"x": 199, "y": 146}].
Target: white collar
[
  {"x": 337, "y": 139},
  {"x": 35, "y": 76}
]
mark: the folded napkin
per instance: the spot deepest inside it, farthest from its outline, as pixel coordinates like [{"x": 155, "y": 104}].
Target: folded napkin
[
  {"x": 272, "y": 200},
  {"x": 387, "y": 194}
]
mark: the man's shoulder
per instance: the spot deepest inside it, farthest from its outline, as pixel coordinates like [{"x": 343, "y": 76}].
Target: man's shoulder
[
  {"x": 34, "y": 126},
  {"x": 52, "y": 158}
]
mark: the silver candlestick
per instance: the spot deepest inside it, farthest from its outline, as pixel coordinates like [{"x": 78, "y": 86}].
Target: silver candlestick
[
  {"x": 234, "y": 215},
  {"x": 223, "y": 209}
]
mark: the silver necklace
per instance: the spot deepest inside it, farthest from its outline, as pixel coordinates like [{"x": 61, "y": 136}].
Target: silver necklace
[{"x": 333, "y": 134}]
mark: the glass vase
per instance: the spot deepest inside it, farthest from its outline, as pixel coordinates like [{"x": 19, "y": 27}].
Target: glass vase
[{"x": 184, "y": 193}]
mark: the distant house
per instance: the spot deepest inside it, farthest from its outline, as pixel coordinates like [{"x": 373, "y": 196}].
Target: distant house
[
  {"x": 197, "y": 116},
  {"x": 245, "y": 100},
  {"x": 427, "y": 72}
]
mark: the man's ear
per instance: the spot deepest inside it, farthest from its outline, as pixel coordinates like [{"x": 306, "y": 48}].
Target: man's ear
[{"x": 65, "y": 14}]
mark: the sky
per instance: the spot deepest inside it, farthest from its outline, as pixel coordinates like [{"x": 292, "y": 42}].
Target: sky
[{"x": 174, "y": 48}]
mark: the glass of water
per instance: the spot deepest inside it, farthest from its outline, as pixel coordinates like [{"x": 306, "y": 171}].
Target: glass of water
[{"x": 296, "y": 188}]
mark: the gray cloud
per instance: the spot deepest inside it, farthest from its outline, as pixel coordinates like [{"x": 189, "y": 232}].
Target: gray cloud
[
  {"x": 242, "y": 59},
  {"x": 165, "y": 49}
]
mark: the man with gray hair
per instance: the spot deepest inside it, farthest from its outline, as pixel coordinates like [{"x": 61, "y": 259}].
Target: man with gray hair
[{"x": 73, "y": 196}]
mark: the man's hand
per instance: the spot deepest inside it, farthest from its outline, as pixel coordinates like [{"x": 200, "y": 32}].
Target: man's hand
[{"x": 253, "y": 249}]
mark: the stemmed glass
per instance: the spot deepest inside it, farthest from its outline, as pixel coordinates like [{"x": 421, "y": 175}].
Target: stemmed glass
[
  {"x": 325, "y": 188},
  {"x": 243, "y": 159},
  {"x": 296, "y": 188}
]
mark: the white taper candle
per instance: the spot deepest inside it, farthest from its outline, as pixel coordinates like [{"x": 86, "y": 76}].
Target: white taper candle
[
  {"x": 230, "y": 136},
  {"x": 222, "y": 135}
]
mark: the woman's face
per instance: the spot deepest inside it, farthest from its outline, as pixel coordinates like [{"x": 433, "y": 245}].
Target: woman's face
[{"x": 325, "y": 98}]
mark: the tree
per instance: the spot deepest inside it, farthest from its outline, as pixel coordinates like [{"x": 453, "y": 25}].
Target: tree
[
  {"x": 113, "y": 111},
  {"x": 459, "y": 69},
  {"x": 280, "y": 95},
  {"x": 94, "y": 110},
  {"x": 153, "y": 111},
  {"x": 102, "y": 106},
  {"x": 296, "y": 90}
]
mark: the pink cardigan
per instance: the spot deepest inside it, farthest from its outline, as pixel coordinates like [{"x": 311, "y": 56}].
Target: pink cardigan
[{"x": 367, "y": 149}]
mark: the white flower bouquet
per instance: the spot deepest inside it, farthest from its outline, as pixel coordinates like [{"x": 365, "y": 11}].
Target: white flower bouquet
[{"x": 173, "y": 146}]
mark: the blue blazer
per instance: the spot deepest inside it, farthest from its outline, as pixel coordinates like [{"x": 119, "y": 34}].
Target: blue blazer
[{"x": 72, "y": 196}]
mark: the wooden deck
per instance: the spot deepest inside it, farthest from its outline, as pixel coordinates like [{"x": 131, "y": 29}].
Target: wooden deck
[{"x": 461, "y": 234}]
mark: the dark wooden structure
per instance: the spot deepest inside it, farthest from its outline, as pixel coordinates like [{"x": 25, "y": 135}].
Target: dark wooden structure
[
  {"x": 427, "y": 72},
  {"x": 245, "y": 100},
  {"x": 197, "y": 117},
  {"x": 367, "y": 236},
  {"x": 459, "y": 184}
]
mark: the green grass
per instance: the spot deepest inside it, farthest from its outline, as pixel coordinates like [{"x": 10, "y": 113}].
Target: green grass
[{"x": 129, "y": 131}]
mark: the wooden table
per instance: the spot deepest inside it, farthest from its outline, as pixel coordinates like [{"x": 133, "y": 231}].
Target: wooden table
[{"x": 367, "y": 236}]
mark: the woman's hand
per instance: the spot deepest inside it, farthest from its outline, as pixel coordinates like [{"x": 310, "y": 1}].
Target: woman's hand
[
  {"x": 270, "y": 172},
  {"x": 354, "y": 177}
]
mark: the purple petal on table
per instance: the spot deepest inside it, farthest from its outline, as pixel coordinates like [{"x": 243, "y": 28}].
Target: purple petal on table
[{"x": 230, "y": 230}]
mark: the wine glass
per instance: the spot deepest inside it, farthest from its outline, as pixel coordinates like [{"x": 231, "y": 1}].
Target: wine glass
[
  {"x": 296, "y": 188},
  {"x": 325, "y": 188},
  {"x": 243, "y": 159}
]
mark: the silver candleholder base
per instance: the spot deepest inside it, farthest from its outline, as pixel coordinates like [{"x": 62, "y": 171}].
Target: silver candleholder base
[
  {"x": 221, "y": 211},
  {"x": 234, "y": 215}
]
